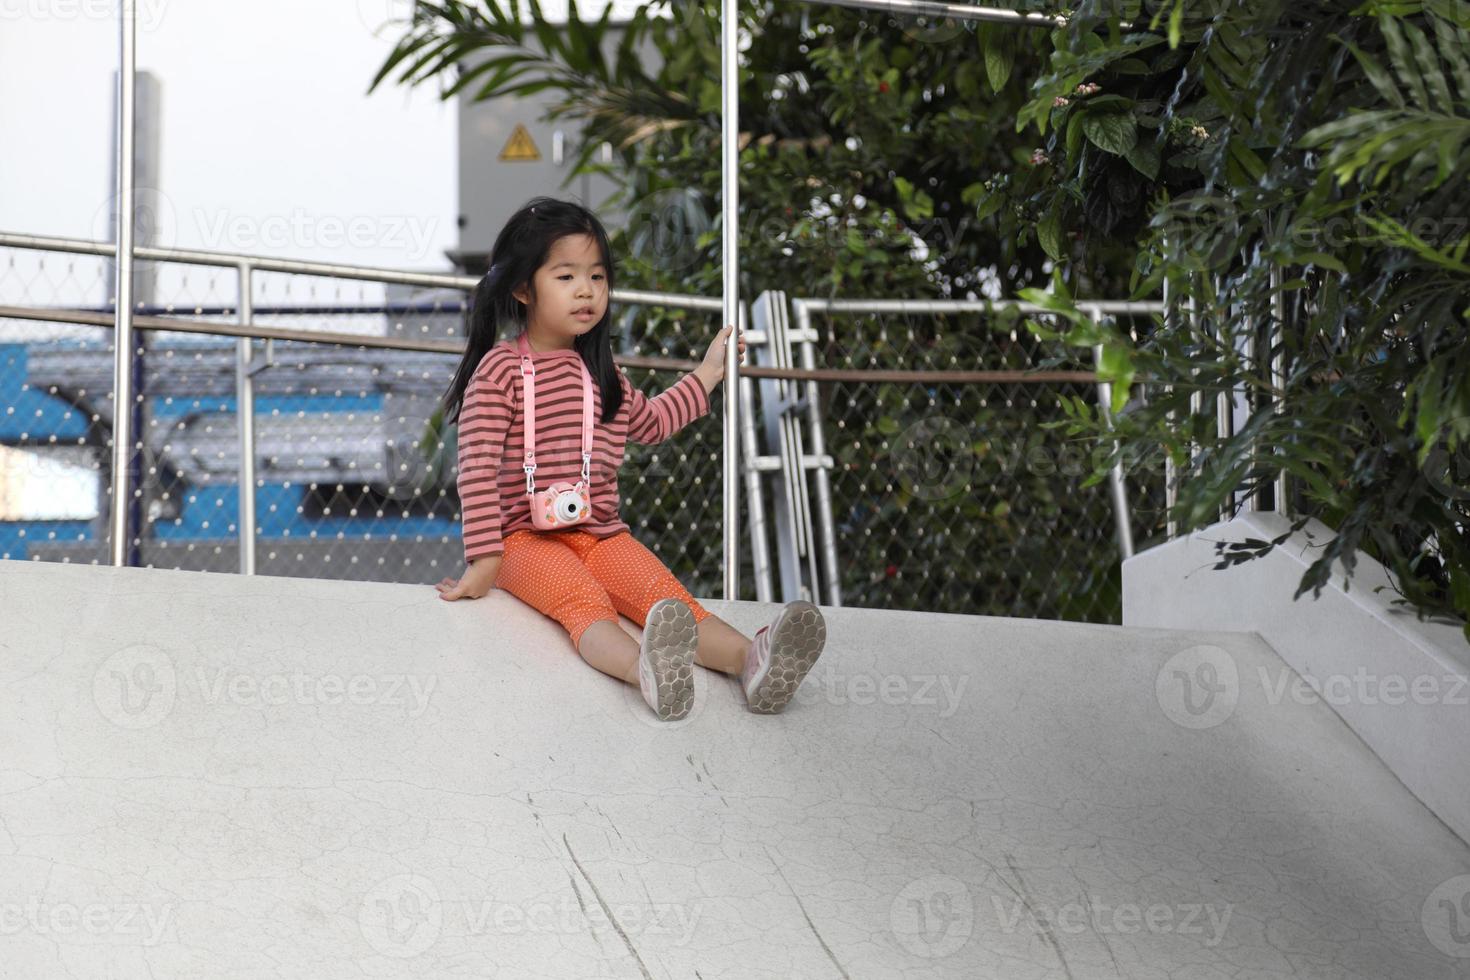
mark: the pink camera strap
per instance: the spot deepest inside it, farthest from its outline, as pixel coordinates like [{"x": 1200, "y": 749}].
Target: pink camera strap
[{"x": 528, "y": 373}]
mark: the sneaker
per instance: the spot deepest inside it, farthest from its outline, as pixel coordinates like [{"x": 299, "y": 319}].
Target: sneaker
[
  {"x": 780, "y": 655},
  {"x": 666, "y": 659}
]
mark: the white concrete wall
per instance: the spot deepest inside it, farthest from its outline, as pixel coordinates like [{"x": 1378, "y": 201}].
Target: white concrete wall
[{"x": 1403, "y": 685}]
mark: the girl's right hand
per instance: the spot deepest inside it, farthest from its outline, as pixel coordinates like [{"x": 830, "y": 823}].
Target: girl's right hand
[
  {"x": 450, "y": 590},
  {"x": 477, "y": 581}
]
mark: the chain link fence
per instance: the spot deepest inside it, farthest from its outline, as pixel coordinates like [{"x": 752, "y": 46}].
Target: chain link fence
[
  {"x": 957, "y": 492},
  {"x": 948, "y": 496},
  {"x": 354, "y": 470}
]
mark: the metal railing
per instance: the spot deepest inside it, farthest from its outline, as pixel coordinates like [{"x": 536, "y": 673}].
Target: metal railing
[
  {"x": 239, "y": 321},
  {"x": 782, "y": 448},
  {"x": 932, "y": 467}
]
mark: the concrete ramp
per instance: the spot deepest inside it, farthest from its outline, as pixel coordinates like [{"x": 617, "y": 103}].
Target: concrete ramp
[{"x": 203, "y": 775}]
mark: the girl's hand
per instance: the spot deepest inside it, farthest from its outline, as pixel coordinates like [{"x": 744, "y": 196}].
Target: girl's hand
[
  {"x": 450, "y": 590},
  {"x": 712, "y": 370},
  {"x": 477, "y": 580}
]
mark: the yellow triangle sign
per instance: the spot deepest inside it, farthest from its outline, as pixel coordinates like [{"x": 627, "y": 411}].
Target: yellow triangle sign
[{"x": 520, "y": 146}]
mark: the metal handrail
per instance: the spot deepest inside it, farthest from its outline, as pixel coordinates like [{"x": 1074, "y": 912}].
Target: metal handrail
[
  {"x": 256, "y": 331},
  {"x": 335, "y": 270},
  {"x": 959, "y": 11},
  {"x": 1103, "y": 306},
  {"x": 247, "y": 332}
]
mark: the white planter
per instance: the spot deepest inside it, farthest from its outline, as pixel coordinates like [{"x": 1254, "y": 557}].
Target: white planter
[{"x": 1403, "y": 685}]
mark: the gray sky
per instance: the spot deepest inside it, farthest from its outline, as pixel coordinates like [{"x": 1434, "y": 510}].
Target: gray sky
[{"x": 269, "y": 142}]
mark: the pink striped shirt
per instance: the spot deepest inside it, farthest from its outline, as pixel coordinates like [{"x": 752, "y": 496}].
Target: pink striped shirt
[{"x": 492, "y": 483}]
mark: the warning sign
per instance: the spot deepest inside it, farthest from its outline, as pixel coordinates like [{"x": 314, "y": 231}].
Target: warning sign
[{"x": 520, "y": 146}]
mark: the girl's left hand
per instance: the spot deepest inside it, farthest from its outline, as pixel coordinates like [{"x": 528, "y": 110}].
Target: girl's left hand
[{"x": 713, "y": 366}]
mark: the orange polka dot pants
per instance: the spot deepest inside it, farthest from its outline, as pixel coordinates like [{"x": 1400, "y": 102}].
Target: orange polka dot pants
[{"x": 579, "y": 579}]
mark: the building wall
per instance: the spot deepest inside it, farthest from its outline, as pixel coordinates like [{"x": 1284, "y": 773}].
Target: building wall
[{"x": 491, "y": 189}]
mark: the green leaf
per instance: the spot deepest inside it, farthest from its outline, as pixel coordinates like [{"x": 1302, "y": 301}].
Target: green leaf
[
  {"x": 1395, "y": 234},
  {"x": 1074, "y": 135},
  {"x": 1049, "y": 234},
  {"x": 1428, "y": 62},
  {"x": 1246, "y": 157},
  {"x": 1429, "y": 418},
  {"x": 1377, "y": 76},
  {"x": 1403, "y": 61},
  {"x": 1460, "y": 590},
  {"x": 989, "y": 205},
  {"x": 1000, "y": 54},
  {"x": 1145, "y": 159},
  {"x": 1044, "y": 298},
  {"x": 1114, "y": 132},
  {"x": 1320, "y": 258},
  {"x": 1453, "y": 43},
  {"x": 1116, "y": 367}
]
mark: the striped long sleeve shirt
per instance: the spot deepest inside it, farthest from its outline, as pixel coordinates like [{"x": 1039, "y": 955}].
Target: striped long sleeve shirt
[{"x": 491, "y": 481}]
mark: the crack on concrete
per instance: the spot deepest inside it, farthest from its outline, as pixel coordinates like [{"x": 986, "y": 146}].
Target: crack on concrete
[
  {"x": 1045, "y": 926},
  {"x": 1087, "y": 901},
  {"x": 583, "y": 906},
  {"x": 809, "y": 923},
  {"x": 643, "y": 967}
]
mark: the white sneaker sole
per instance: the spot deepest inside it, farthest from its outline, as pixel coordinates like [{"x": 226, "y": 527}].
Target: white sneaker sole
[
  {"x": 670, "y": 637},
  {"x": 796, "y": 640}
]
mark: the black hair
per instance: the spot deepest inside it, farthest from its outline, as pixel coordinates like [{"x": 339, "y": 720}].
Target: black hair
[{"x": 522, "y": 247}]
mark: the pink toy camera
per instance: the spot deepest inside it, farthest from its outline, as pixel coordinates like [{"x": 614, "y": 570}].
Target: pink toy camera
[{"x": 561, "y": 505}]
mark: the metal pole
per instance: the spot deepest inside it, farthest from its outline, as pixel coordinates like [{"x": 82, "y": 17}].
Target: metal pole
[
  {"x": 959, "y": 11},
  {"x": 245, "y": 419},
  {"x": 730, "y": 259},
  {"x": 819, "y": 451},
  {"x": 755, "y": 501},
  {"x": 1224, "y": 402},
  {"x": 1122, "y": 514},
  {"x": 1282, "y": 489},
  {"x": 1245, "y": 406},
  {"x": 122, "y": 370},
  {"x": 1171, "y": 488}
]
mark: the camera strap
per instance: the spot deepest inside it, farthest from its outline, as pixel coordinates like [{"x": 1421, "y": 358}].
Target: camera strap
[{"x": 528, "y": 375}]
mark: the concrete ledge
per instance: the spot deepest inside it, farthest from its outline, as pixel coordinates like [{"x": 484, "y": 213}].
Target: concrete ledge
[
  {"x": 273, "y": 778},
  {"x": 1403, "y": 685}
]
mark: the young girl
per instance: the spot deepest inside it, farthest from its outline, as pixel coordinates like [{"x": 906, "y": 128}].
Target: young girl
[{"x": 550, "y": 277}]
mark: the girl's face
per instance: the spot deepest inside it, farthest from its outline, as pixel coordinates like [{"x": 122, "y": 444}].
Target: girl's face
[{"x": 570, "y": 294}]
